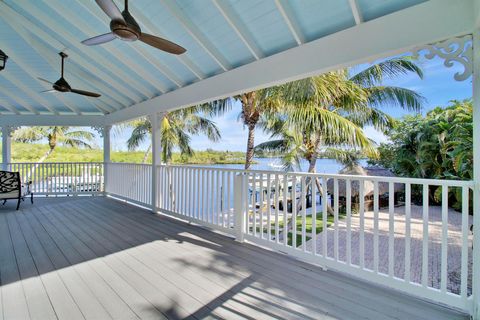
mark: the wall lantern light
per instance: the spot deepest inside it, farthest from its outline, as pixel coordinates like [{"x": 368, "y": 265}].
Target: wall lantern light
[{"x": 3, "y": 60}]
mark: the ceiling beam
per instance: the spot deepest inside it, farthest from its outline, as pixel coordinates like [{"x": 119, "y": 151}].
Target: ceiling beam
[
  {"x": 67, "y": 35},
  {"x": 72, "y": 43},
  {"x": 393, "y": 34},
  {"x": 28, "y": 70},
  {"x": 239, "y": 28},
  {"x": 95, "y": 11},
  {"x": 52, "y": 120},
  {"x": 123, "y": 91},
  {"x": 18, "y": 100},
  {"x": 7, "y": 105},
  {"x": 357, "y": 14},
  {"x": 292, "y": 25},
  {"x": 194, "y": 32},
  {"x": 127, "y": 62},
  {"x": 155, "y": 29}
]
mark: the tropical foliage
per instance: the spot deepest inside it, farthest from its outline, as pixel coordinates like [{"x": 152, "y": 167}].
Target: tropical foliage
[
  {"x": 323, "y": 116},
  {"x": 54, "y": 135},
  {"x": 437, "y": 146},
  {"x": 31, "y": 152},
  {"x": 176, "y": 129}
]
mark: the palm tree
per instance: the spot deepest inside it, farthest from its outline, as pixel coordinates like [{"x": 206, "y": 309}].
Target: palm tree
[
  {"x": 256, "y": 107},
  {"x": 176, "y": 128},
  {"x": 330, "y": 110},
  {"x": 55, "y": 135}
]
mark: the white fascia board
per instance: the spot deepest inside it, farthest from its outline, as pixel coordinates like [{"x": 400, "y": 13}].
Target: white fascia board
[
  {"x": 52, "y": 120},
  {"x": 396, "y": 33}
]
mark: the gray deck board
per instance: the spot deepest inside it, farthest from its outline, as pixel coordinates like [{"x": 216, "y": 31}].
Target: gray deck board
[{"x": 97, "y": 258}]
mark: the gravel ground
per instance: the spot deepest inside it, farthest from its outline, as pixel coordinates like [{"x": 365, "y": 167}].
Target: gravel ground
[{"x": 434, "y": 244}]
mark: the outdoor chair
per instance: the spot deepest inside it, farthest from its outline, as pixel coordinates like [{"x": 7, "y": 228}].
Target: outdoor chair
[{"x": 11, "y": 187}]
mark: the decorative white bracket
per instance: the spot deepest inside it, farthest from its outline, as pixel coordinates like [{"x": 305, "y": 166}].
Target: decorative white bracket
[{"x": 453, "y": 50}]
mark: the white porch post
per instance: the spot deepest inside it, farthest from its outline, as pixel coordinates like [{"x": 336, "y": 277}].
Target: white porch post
[
  {"x": 155, "y": 120},
  {"x": 476, "y": 173},
  {"x": 106, "y": 155},
  {"x": 6, "y": 147}
]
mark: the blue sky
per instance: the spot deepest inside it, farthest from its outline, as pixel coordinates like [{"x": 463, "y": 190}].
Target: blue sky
[{"x": 438, "y": 87}]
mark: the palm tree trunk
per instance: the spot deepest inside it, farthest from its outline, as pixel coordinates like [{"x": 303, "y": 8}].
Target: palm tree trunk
[
  {"x": 312, "y": 169},
  {"x": 250, "y": 146},
  {"x": 41, "y": 160},
  {"x": 145, "y": 156}
]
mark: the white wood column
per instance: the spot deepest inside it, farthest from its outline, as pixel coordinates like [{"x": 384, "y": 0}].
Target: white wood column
[
  {"x": 476, "y": 173},
  {"x": 6, "y": 147},
  {"x": 155, "y": 120},
  {"x": 106, "y": 155}
]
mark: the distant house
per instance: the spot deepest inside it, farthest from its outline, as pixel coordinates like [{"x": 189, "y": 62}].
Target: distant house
[{"x": 368, "y": 186}]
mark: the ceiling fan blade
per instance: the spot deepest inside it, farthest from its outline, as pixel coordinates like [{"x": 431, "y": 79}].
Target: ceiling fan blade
[
  {"x": 103, "y": 38},
  {"x": 162, "y": 44},
  {"x": 85, "y": 93},
  {"x": 41, "y": 79},
  {"x": 48, "y": 91},
  {"x": 109, "y": 7}
]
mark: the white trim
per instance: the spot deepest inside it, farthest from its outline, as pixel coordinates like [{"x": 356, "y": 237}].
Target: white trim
[
  {"x": 428, "y": 22},
  {"x": 239, "y": 28},
  {"x": 357, "y": 14},
  {"x": 292, "y": 26},
  {"x": 476, "y": 174},
  {"x": 52, "y": 120},
  {"x": 6, "y": 146},
  {"x": 196, "y": 34},
  {"x": 18, "y": 100}
]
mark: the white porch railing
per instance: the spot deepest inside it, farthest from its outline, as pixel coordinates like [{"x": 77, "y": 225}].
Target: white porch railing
[
  {"x": 397, "y": 232},
  {"x": 132, "y": 182},
  {"x": 61, "y": 178}
]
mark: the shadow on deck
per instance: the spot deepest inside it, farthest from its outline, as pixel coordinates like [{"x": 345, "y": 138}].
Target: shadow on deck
[{"x": 97, "y": 258}]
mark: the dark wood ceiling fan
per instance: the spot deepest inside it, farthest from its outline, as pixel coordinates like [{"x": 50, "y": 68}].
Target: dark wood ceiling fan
[
  {"x": 61, "y": 85},
  {"x": 124, "y": 27}
]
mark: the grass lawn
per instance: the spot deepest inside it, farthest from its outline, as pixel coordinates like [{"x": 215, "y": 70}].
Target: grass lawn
[{"x": 308, "y": 226}]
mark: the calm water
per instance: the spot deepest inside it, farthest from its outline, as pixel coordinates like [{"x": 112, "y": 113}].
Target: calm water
[{"x": 323, "y": 165}]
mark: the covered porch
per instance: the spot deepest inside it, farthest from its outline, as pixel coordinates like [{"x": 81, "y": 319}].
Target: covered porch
[
  {"x": 98, "y": 258},
  {"x": 220, "y": 243}
]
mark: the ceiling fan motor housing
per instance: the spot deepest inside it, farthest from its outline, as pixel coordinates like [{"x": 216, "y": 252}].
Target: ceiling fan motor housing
[
  {"x": 128, "y": 30},
  {"x": 62, "y": 85}
]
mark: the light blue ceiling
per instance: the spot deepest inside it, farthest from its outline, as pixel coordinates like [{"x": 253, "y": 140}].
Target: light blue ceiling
[{"x": 128, "y": 73}]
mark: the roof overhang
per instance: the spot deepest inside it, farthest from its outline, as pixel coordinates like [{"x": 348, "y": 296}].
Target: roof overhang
[{"x": 391, "y": 34}]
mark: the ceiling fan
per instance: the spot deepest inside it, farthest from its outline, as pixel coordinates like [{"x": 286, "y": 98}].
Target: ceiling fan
[
  {"x": 61, "y": 85},
  {"x": 124, "y": 27}
]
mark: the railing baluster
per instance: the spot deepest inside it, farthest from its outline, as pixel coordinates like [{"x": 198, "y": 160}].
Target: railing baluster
[
  {"x": 362, "y": 222},
  {"x": 425, "y": 237},
  {"x": 408, "y": 210},
  {"x": 348, "y": 205},
  {"x": 391, "y": 229},
  {"x": 277, "y": 201},
  {"x": 269, "y": 207},
  {"x": 375, "y": 226},
  {"x": 304, "y": 213},
  {"x": 443, "y": 263},
  {"x": 313, "y": 188},
  {"x": 465, "y": 230},
  {"x": 335, "y": 217},
  {"x": 324, "y": 217},
  {"x": 285, "y": 210},
  {"x": 294, "y": 211},
  {"x": 219, "y": 193}
]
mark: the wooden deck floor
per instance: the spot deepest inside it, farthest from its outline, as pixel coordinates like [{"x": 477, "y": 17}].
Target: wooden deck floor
[{"x": 97, "y": 258}]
